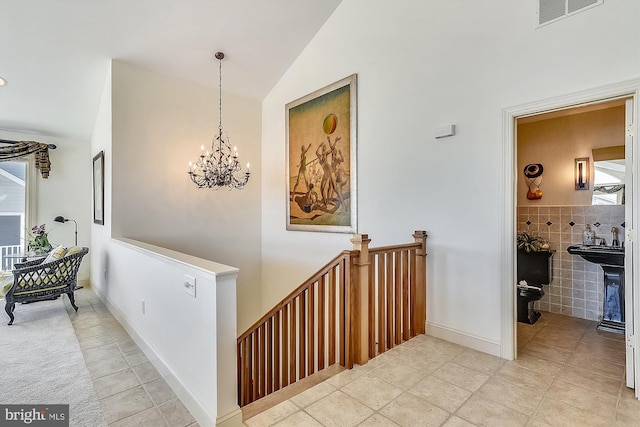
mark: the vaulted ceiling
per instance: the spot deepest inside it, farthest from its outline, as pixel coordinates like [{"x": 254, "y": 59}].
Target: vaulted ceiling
[{"x": 54, "y": 55}]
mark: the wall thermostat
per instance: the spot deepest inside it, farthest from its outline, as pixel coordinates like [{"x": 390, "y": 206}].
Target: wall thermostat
[{"x": 445, "y": 131}]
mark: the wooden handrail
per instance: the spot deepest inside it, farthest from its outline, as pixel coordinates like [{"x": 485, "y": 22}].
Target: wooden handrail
[
  {"x": 393, "y": 248},
  {"x": 361, "y": 297},
  {"x": 297, "y": 291}
]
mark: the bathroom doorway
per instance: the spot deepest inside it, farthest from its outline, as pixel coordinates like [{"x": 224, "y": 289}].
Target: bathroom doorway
[{"x": 551, "y": 215}]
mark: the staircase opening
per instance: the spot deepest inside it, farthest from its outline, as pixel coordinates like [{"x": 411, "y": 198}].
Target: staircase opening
[{"x": 362, "y": 303}]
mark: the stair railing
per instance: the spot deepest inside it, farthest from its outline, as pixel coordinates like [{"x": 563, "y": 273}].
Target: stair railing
[{"x": 358, "y": 305}]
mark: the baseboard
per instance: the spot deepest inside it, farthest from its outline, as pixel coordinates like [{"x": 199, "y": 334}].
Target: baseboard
[
  {"x": 254, "y": 408},
  {"x": 85, "y": 283},
  {"x": 233, "y": 419},
  {"x": 448, "y": 334},
  {"x": 192, "y": 404}
]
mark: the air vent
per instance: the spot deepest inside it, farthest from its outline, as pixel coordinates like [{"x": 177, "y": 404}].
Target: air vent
[{"x": 553, "y": 10}]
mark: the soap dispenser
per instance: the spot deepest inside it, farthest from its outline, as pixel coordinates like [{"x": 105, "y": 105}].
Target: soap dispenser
[{"x": 588, "y": 237}]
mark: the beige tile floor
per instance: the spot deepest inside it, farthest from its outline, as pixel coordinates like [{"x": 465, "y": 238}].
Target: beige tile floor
[
  {"x": 566, "y": 374},
  {"x": 130, "y": 389}
]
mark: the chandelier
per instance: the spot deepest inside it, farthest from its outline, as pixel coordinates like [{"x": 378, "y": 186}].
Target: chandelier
[{"x": 219, "y": 168}]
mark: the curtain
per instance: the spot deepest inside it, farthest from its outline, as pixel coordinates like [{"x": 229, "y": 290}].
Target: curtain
[{"x": 11, "y": 150}]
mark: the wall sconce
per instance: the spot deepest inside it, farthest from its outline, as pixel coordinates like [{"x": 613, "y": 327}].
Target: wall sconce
[{"x": 582, "y": 173}]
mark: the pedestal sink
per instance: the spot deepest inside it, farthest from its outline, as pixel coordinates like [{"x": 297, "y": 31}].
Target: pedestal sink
[
  {"x": 611, "y": 259},
  {"x": 603, "y": 255}
]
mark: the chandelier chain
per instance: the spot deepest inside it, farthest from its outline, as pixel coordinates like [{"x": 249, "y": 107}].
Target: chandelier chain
[{"x": 220, "y": 95}]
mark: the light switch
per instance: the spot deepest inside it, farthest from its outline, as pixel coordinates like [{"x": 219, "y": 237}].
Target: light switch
[{"x": 190, "y": 285}]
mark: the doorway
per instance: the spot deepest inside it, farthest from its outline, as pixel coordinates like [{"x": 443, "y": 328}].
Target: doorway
[{"x": 563, "y": 106}]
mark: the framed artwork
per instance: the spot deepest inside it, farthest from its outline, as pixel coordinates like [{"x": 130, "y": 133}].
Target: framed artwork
[
  {"x": 98, "y": 188},
  {"x": 321, "y": 159}
]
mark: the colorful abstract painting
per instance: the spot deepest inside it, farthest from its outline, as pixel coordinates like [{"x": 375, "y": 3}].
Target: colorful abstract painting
[{"x": 321, "y": 159}]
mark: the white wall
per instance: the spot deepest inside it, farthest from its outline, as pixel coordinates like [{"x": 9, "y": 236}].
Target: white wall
[
  {"x": 159, "y": 124},
  {"x": 421, "y": 65}
]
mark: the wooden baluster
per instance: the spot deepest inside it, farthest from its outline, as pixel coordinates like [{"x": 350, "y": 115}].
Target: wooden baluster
[
  {"x": 269, "y": 356},
  {"x": 405, "y": 296},
  {"x": 398, "y": 298},
  {"x": 321, "y": 322},
  {"x": 302, "y": 339},
  {"x": 310, "y": 330},
  {"x": 285, "y": 345},
  {"x": 332, "y": 316},
  {"x": 371, "y": 316},
  {"x": 382, "y": 341},
  {"x": 420, "y": 313},
  {"x": 255, "y": 367},
  {"x": 390, "y": 297},
  {"x": 240, "y": 371},
  {"x": 292, "y": 344},
  {"x": 345, "y": 313},
  {"x": 412, "y": 291},
  {"x": 247, "y": 371},
  {"x": 276, "y": 350},
  {"x": 262, "y": 363}
]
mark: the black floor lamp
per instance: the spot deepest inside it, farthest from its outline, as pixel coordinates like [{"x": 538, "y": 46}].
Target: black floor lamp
[{"x": 63, "y": 220}]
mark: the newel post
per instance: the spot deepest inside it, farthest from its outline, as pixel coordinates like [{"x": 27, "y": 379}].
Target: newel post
[
  {"x": 360, "y": 299},
  {"x": 420, "y": 309}
]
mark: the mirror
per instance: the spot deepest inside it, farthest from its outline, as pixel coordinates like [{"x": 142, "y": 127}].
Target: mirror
[{"x": 609, "y": 176}]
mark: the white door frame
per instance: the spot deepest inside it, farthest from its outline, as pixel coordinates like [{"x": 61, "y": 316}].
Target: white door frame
[{"x": 629, "y": 88}]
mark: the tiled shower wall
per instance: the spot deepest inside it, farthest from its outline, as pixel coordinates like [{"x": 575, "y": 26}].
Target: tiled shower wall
[{"x": 576, "y": 288}]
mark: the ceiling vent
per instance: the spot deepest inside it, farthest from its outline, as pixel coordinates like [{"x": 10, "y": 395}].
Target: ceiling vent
[{"x": 553, "y": 10}]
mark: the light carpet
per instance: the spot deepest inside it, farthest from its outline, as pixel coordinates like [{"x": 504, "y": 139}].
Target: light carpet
[{"x": 41, "y": 362}]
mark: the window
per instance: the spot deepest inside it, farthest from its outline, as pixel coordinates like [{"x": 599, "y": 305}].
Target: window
[{"x": 15, "y": 196}]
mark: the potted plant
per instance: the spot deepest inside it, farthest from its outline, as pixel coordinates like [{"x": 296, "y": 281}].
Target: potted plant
[
  {"x": 39, "y": 241},
  {"x": 531, "y": 243}
]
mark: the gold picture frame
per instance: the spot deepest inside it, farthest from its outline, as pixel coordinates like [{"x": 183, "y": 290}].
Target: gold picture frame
[{"x": 322, "y": 159}]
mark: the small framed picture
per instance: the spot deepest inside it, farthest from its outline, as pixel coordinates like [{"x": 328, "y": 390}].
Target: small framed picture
[{"x": 98, "y": 188}]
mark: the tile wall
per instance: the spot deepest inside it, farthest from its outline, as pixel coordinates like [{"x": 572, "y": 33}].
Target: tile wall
[{"x": 576, "y": 288}]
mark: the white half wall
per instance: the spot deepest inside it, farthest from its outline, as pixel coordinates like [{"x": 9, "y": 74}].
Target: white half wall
[
  {"x": 422, "y": 65},
  {"x": 190, "y": 339}
]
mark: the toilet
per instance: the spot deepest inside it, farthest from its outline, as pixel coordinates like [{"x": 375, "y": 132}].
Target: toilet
[{"x": 534, "y": 268}]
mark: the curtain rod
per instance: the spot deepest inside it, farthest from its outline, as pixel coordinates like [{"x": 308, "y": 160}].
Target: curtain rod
[{"x": 6, "y": 141}]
